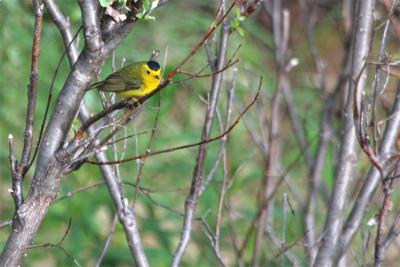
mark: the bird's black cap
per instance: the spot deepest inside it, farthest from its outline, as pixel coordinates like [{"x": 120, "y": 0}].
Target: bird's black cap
[{"x": 153, "y": 65}]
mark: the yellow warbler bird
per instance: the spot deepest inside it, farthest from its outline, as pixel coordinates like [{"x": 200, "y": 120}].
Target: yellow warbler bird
[{"x": 132, "y": 81}]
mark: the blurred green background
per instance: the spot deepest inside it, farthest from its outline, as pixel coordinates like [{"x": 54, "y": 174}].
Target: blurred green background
[{"x": 177, "y": 28}]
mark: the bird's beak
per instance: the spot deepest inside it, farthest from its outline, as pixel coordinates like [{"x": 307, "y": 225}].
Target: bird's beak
[{"x": 157, "y": 77}]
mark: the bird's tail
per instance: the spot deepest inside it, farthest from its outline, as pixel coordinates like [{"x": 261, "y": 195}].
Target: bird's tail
[{"x": 95, "y": 85}]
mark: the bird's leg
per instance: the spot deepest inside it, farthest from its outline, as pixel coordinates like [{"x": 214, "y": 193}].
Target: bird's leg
[{"x": 133, "y": 103}]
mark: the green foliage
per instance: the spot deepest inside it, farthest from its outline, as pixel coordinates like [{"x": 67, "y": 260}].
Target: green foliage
[
  {"x": 106, "y": 3},
  {"x": 237, "y": 21},
  {"x": 145, "y": 13},
  {"x": 148, "y": 7}
]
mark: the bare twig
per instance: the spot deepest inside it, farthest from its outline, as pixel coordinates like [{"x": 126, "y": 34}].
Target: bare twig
[
  {"x": 393, "y": 19},
  {"x": 16, "y": 179},
  {"x": 196, "y": 75},
  {"x": 386, "y": 204},
  {"x": 33, "y": 87},
  {"x": 108, "y": 241},
  {"x": 96, "y": 185},
  {"x": 213, "y": 240},
  {"x": 5, "y": 224},
  {"x": 284, "y": 250}
]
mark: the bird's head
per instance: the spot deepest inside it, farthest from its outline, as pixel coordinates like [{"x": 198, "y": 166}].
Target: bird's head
[{"x": 151, "y": 72}]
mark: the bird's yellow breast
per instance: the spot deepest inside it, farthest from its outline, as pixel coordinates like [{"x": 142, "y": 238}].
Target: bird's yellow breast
[
  {"x": 143, "y": 90},
  {"x": 149, "y": 80}
]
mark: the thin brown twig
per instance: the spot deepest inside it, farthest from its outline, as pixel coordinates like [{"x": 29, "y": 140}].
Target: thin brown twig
[
  {"x": 358, "y": 115},
  {"x": 380, "y": 240},
  {"x": 213, "y": 240},
  {"x": 394, "y": 231},
  {"x": 393, "y": 19},
  {"x": 125, "y": 138},
  {"x": 33, "y": 88},
  {"x": 95, "y": 185},
  {"x": 384, "y": 210},
  {"x": 195, "y": 75},
  {"x": 209, "y": 64},
  {"x": 284, "y": 249}
]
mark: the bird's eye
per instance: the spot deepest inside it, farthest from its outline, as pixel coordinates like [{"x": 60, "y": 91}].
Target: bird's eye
[{"x": 148, "y": 72}]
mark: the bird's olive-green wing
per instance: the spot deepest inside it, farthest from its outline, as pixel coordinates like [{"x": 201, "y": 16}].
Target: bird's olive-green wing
[{"x": 117, "y": 82}]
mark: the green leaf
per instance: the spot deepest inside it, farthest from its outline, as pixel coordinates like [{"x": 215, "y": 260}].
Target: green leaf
[
  {"x": 240, "y": 30},
  {"x": 106, "y": 3},
  {"x": 236, "y": 22},
  {"x": 148, "y": 8},
  {"x": 123, "y": 4}
]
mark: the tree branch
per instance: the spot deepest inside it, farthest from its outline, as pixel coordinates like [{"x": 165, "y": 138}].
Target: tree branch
[
  {"x": 50, "y": 168},
  {"x": 360, "y": 48},
  {"x": 125, "y": 218}
]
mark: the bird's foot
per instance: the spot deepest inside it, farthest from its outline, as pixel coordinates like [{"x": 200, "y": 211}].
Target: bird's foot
[{"x": 133, "y": 103}]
